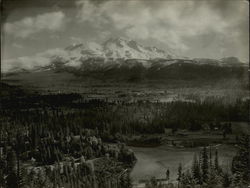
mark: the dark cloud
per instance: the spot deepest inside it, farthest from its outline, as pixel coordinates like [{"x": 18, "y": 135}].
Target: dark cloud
[{"x": 195, "y": 28}]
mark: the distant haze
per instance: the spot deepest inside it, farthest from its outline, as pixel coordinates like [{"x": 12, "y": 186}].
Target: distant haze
[{"x": 208, "y": 28}]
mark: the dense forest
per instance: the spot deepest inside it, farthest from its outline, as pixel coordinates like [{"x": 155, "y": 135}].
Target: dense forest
[
  {"x": 57, "y": 140},
  {"x": 75, "y": 112},
  {"x": 40, "y": 147}
]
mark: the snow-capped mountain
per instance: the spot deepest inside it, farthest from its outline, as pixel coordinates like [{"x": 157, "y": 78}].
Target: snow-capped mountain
[
  {"x": 129, "y": 49},
  {"x": 114, "y": 48},
  {"x": 113, "y": 53},
  {"x": 90, "y": 55}
]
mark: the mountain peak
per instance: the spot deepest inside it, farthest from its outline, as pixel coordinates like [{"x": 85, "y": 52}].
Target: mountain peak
[
  {"x": 119, "y": 42},
  {"x": 113, "y": 49},
  {"x": 129, "y": 49},
  {"x": 117, "y": 39},
  {"x": 74, "y": 46}
]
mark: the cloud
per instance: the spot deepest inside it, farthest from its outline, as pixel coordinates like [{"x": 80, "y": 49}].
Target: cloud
[
  {"x": 171, "y": 22},
  {"x": 30, "y": 62},
  {"x": 23, "y": 28},
  {"x": 24, "y": 62},
  {"x": 90, "y": 12},
  {"x": 76, "y": 40},
  {"x": 16, "y": 45}
]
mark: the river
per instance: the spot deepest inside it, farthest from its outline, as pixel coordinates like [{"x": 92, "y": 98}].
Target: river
[{"x": 155, "y": 161}]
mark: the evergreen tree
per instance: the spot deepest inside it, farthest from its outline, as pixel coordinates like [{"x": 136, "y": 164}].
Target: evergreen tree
[
  {"x": 125, "y": 181},
  {"x": 167, "y": 174},
  {"x": 204, "y": 165},
  {"x": 12, "y": 178},
  {"x": 22, "y": 179},
  {"x": 226, "y": 180},
  {"x": 216, "y": 161},
  {"x": 196, "y": 173},
  {"x": 210, "y": 158},
  {"x": 2, "y": 180},
  {"x": 187, "y": 180},
  {"x": 11, "y": 162},
  {"x": 179, "y": 178},
  {"x": 241, "y": 162}
]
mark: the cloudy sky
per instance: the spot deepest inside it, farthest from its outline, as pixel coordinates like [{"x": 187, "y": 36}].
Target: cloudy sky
[{"x": 193, "y": 28}]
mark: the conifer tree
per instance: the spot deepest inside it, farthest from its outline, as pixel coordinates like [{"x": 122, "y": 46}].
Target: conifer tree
[
  {"x": 187, "y": 179},
  {"x": 210, "y": 158},
  {"x": 196, "y": 174},
  {"x": 179, "y": 178},
  {"x": 22, "y": 178},
  {"x": 241, "y": 162},
  {"x": 167, "y": 174},
  {"x": 11, "y": 162},
  {"x": 204, "y": 165},
  {"x": 226, "y": 180},
  {"x": 216, "y": 161},
  {"x": 12, "y": 178}
]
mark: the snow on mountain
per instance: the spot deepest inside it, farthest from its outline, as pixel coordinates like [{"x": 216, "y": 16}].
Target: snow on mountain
[
  {"x": 129, "y": 49},
  {"x": 115, "y": 52},
  {"x": 90, "y": 55},
  {"x": 116, "y": 48},
  {"x": 86, "y": 50}
]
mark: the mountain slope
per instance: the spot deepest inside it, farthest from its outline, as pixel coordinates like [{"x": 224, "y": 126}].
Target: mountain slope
[
  {"x": 75, "y": 55},
  {"x": 126, "y": 60}
]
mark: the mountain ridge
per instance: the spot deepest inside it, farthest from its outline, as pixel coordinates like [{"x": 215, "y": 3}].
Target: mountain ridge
[{"x": 113, "y": 53}]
